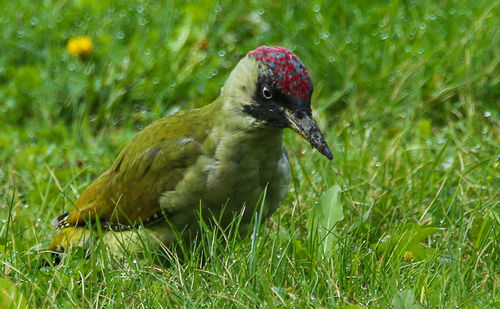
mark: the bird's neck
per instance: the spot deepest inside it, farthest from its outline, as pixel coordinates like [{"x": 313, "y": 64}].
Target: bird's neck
[
  {"x": 234, "y": 128},
  {"x": 236, "y": 133}
]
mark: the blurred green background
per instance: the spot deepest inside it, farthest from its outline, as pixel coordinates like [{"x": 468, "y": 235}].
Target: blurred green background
[
  {"x": 151, "y": 57},
  {"x": 407, "y": 92}
]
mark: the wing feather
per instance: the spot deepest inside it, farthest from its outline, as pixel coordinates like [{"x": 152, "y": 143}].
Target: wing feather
[{"x": 151, "y": 164}]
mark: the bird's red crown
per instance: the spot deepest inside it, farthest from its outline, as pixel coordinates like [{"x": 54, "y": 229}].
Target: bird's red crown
[{"x": 289, "y": 73}]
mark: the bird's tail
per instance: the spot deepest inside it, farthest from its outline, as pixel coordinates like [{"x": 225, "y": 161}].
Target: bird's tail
[
  {"x": 117, "y": 243},
  {"x": 70, "y": 237}
]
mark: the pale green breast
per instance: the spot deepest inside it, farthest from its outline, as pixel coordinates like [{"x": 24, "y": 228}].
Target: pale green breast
[{"x": 233, "y": 170}]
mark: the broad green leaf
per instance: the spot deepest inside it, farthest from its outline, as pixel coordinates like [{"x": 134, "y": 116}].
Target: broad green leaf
[
  {"x": 10, "y": 296},
  {"x": 323, "y": 218},
  {"x": 418, "y": 233},
  {"x": 405, "y": 300},
  {"x": 406, "y": 242}
]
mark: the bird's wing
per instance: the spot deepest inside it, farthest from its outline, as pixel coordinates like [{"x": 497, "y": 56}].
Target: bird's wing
[{"x": 151, "y": 164}]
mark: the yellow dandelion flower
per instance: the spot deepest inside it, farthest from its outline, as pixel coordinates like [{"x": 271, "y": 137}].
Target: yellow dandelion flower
[
  {"x": 80, "y": 46},
  {"x": 408, "y": 256}
]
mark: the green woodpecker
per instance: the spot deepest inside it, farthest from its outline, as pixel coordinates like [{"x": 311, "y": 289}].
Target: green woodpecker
[{"x": 215, "y": 160}]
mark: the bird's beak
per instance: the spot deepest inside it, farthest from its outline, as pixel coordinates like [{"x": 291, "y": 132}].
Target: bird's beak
[{"x": 303, "y": 124}]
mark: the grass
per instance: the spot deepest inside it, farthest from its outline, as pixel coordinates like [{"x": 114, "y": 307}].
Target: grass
[{"x": 407, "y": 93}]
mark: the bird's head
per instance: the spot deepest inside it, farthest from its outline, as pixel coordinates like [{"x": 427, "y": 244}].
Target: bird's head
[{"x": 273, "y": 87}]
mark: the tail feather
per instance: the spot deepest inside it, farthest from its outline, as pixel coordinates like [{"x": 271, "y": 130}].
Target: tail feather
[
  {"x": 60, "y": 221},
  {"x": 70, "y": 237},
  {"x": 119, "y": 243}
]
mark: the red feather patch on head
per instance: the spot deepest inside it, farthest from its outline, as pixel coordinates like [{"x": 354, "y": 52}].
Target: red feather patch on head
[{"x": 289, "y": 73}]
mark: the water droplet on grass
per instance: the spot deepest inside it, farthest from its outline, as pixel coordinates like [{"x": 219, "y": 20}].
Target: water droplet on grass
[
  {"x": 34, "y": 21},
  {"x": 325, "y": 35},
  {"x": 317, "y": 8},
  {"x": 222, "y": 53},
  {"x": 20, "y": 33},
  {"x": 487, "y": 114},
  {"x": 120, "y": 35},
  {"x": 261, "y": 11},
  {"x": 384, "y": 36}
]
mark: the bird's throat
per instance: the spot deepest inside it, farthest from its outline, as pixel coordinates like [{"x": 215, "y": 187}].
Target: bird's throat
[{"x": 248, "y": 143}]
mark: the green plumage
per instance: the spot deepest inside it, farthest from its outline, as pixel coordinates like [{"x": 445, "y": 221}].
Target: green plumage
[
  {"x": 215, "y": 161},
  {"x": 212, "y": 156}
]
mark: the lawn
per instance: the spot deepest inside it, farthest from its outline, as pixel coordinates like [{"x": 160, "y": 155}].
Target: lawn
[{"x": 407, "y": 93}]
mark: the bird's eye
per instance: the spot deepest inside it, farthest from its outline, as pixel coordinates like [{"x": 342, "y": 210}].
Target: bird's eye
[{"x": 267, "y": 93}]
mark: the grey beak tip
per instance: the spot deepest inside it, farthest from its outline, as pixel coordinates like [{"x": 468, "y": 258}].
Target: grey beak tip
[{"x": 327, "y": 153}]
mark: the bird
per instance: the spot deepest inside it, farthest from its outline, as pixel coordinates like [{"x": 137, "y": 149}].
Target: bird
[{"x": 211, "y": 162}]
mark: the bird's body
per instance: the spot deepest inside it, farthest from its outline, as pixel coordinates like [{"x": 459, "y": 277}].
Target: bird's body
[{"x": 218, "y": 159}]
